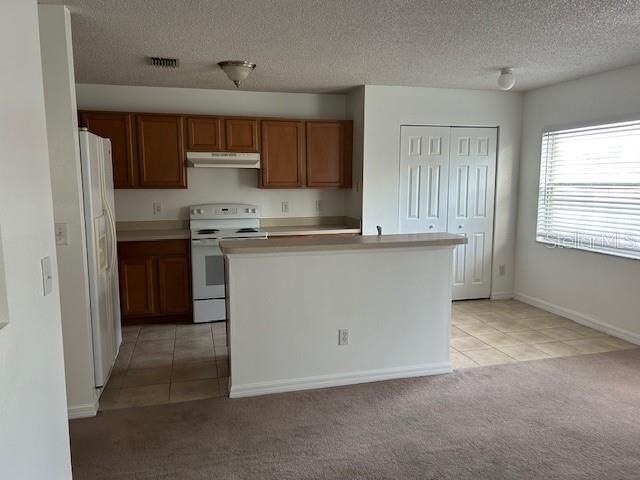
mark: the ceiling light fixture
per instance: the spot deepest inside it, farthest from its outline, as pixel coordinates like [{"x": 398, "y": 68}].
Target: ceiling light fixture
[
  {"x": 237, "y": 70},
  {"x": 507, "y": 79}
]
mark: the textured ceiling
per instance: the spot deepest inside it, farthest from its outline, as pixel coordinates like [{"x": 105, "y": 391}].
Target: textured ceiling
[{"x": 333, "y": 45}]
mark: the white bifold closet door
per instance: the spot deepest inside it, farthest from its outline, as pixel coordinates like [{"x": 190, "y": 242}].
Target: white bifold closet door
[{"x": 447, "y": 184}]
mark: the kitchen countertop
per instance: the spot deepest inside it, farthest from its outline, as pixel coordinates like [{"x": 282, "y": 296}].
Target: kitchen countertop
[
  {"x": 357, "y": 242},
  {"x": 287, "y": 230},
  {"x": 145, "y": 231},
  {"x": 151, "y": 235}
]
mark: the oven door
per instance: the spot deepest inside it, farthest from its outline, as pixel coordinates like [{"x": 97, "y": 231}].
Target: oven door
[{"x": 208, "y": 270}]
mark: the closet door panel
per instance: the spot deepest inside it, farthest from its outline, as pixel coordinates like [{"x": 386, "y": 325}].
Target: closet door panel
[
  {"x": 471, "y": 205},
  {"x": 424, "y": 172}
]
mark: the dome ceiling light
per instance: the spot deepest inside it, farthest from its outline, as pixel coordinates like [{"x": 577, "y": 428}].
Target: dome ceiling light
[
  {"x": 237, "y": 70},
  {"x": 507, "y": 79}
]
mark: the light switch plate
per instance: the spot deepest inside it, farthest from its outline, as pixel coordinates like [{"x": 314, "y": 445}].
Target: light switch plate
[
  {"x": 62, "y": 234},
  {"x": 47, "y": 275}
]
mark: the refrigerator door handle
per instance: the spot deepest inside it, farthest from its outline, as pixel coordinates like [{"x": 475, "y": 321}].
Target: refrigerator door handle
[
  {"x": 113, "y": 252},
  {"x": 110, "y": 219}
]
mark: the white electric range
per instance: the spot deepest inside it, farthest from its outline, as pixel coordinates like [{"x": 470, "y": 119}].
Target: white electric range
[{"x": 209, "y": 224}]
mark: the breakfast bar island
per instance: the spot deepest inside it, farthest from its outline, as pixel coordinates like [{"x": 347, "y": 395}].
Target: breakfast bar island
[{"x": 318, "y": 312}]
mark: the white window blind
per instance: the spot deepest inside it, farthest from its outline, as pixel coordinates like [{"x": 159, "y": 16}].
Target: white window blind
[{"x": 590, "y": 189}]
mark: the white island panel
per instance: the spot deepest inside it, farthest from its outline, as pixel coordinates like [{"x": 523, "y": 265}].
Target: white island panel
[{"x": 285, "y": 310}]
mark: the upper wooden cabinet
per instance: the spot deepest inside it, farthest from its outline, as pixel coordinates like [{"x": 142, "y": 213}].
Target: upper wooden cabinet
[
  {"x": 149, "y": 150},
  {"x": 315, "y": 154},
  {"x": 282, "y": 154},
  {"x": 117, "y": 127},
  {"x": 216, "y": 134},
  {"x": 161, "y": 151},
  {"x": 205, "y": 134},
  {"x": 242, "y": 135},
  {"x": 328, "y": 154}
]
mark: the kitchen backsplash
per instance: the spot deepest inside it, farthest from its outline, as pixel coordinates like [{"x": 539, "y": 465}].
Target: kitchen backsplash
[{"x": 222, "y": 185}]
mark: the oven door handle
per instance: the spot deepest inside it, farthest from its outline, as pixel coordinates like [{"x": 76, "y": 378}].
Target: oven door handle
[{"x": 204, "y": 243}]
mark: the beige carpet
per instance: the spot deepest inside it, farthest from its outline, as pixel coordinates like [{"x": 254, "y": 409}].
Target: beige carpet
[{"x": 568, "y": 418}]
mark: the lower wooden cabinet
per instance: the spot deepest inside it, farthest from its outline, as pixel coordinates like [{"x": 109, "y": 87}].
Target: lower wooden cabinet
[
  {"x": 155, "y": 281},
  {"x": 174, "y": 281},
  {"x": 137, "y": 292}
]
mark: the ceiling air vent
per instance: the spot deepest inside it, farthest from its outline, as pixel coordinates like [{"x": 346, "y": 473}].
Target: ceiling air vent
[{"x": 163, "y": 62}]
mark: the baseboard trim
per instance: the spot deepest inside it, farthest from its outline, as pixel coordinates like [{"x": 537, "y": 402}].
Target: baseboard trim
[
  {"x": 82, "y": 411},
  {"x": 323, "y": 381},
  {"x": 502, "y": 296},
  {"x": 580, "y": 318}
]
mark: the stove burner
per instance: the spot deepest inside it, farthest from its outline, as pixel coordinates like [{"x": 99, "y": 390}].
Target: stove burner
[
  {"x": 247, "y": 230},
  {"x": 207, "y": 231}
]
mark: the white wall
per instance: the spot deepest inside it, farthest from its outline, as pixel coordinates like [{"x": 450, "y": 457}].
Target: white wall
[
  {"x": 355, "y": 112},
  {"x": 217, "y": 185},
  {"x": 590, "y": 287},
  {"x": 387, "y": 108},
  {"x": 66, "y": 179},
  {"x": 34, "y": 438}
]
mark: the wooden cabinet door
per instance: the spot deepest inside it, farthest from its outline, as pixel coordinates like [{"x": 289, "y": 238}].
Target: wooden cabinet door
[
  {"x": 241, "y": 135},
  {"x": 117, "y": 127},
  {"x": 137, "y": 286},
  {"x": 161, "y": 151},
  {"x": 282, "y": 154},
  {"x": 205, "y": 134},
  {"x": 329, "y": 152},
  {"x": 325, "y": 155},
  {"x": 174, "y": 278}
]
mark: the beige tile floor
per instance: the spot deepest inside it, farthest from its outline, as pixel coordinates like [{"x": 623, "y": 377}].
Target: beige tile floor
[
  {"x": 160, "y": 364},
  {"x": 485, "y": 332},
  {"x": 175, "y": 363}
]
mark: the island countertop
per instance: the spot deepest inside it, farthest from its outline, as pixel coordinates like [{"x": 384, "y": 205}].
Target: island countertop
[{"x": 308, "y": 244}]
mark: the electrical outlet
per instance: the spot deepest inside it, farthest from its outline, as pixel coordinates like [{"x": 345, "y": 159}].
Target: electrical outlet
[
  {"x": 62, "y": 236},
  {"x": 285, "y": 207},
  {"x": 157, "y": 208},
  {"x": 318, "y": 205},
  {"x": 502, "y": 269},
  {"x": 343, "y": 336}
]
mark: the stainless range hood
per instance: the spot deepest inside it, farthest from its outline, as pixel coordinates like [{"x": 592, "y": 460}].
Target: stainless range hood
[{"x": 223, "y": 160}]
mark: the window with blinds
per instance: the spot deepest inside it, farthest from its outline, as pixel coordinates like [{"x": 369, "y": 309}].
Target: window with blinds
[{"x": 589, "y": 195}]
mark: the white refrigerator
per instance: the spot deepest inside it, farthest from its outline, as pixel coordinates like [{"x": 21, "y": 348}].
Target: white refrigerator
[{"x": 100, "y": 227}]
